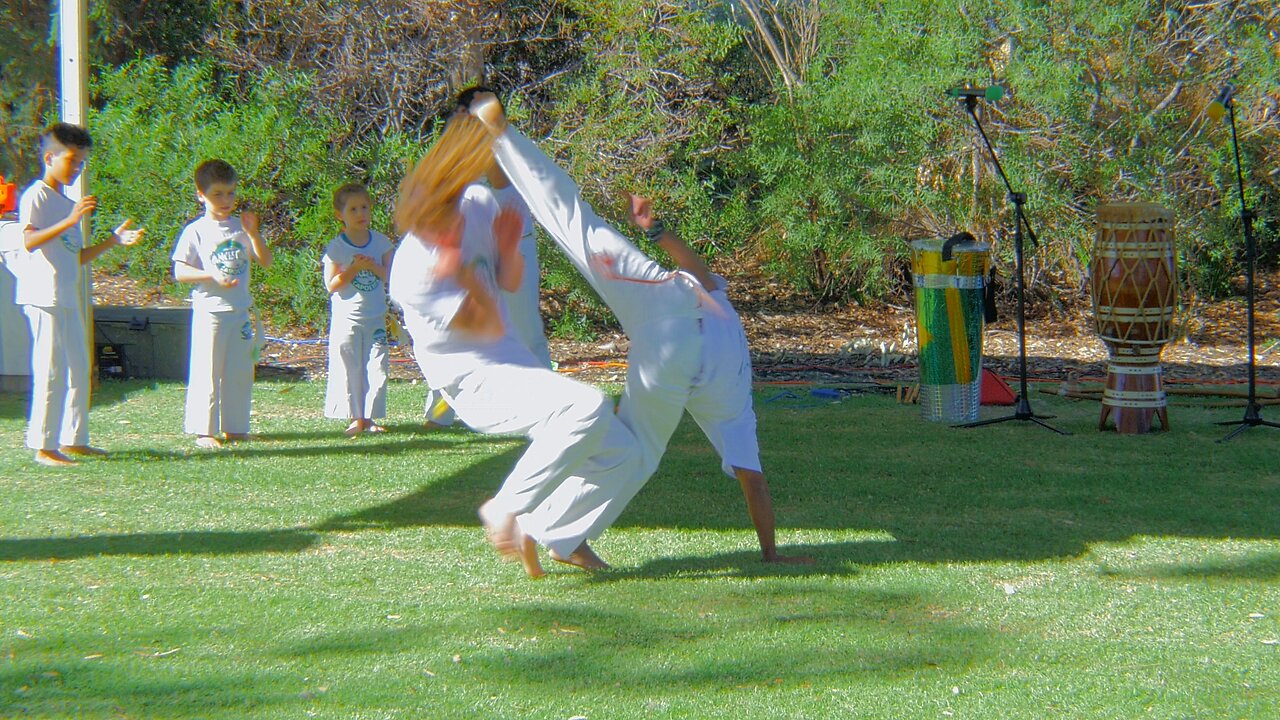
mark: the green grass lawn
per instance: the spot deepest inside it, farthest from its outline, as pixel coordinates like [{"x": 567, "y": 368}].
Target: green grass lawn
[{"x": 1001, "y": 572}]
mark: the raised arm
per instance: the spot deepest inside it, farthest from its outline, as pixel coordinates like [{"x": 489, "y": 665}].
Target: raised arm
[
  {"x": 682, "y": 254},
  {"x": 257, "y": 246}
]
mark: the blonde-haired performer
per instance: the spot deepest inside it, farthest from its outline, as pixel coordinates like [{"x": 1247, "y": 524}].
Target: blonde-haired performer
[{"x": 446, "y": 276}]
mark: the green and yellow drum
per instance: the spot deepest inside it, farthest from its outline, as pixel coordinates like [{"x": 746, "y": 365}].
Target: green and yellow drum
[{"x": 950, "y": 277}]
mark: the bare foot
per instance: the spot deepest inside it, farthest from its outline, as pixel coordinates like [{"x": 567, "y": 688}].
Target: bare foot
[
  {"x": 354, "y": 429},
  {"x": 208, "y": 442},
  {"x": 486, "y": 108},
  {"x": 53, "y": 458},
  {"x": 789, "y": 559},
  {"x": 373, "y": 427},
  {"x": 527, "y": 551},
  {"x": 83, "y": 450},
  {"x": 500, "y": 530},
  {"x": 241, "y": 437},
  {"x": 584, "y": 557}
]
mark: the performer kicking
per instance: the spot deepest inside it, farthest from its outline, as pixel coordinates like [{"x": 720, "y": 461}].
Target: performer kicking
[
  {"x": 446, "y": 276},
  {"x": 687, "y": 349}
]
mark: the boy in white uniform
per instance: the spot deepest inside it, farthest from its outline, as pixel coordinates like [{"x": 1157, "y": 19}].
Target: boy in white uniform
[
  {"x": 48, "y": 288},
  {"x": 448, "y": 288},
  {"x": 688, "y": 349},
  {"x": 355, "y": 274},
  {"x": 215, "y": 252}
]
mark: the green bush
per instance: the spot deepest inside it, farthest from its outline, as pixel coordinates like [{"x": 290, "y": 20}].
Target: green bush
[{"x": 156, "y": 125}]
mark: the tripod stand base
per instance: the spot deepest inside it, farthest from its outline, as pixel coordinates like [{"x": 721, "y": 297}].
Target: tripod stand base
[
  {"x": 1022, "y": 411},
  {"x": 1252, "y": 418}
]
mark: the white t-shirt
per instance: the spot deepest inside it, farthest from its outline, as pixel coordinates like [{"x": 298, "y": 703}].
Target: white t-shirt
[
  {"x": 223, "y": 249},
  {"x": 415, "y": 287},
  {"x": 522, "y": 305},
  {"x": 49, "y": 276},
  {"x": 365, "y": 297}
]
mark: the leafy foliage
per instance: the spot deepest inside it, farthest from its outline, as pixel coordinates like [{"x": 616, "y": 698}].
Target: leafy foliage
[{"x": 161, "y": 124}]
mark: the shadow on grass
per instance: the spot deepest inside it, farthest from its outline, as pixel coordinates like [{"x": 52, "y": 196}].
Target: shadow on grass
[
  {"x": 17, "y": 406},
  {"x": 329, "y": 444},
  {"x": 421, "y": 509},
  {"x": 170, "y": 543},
  {"x": 452, "y": 501}
]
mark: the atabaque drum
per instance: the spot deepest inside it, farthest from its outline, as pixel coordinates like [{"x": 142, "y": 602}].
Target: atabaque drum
[
  {"x": 949, "y": 278},
  {"x": 1134, "y": 288}
]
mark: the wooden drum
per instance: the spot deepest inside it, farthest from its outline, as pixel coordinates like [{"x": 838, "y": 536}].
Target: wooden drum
[{"x": 1133, "y": 285}]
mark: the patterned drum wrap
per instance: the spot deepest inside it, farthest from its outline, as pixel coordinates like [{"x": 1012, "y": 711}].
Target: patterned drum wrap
[
  {"x": 1134, "y": 289},
  {"x": 948, "y": 296}
]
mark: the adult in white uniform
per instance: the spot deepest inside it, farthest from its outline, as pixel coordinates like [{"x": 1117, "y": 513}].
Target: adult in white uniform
[{"x": 448, "y": 291}]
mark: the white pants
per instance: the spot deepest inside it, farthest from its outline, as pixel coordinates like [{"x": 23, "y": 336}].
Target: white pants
[
  {"x": 59, "y": 378},
  {"x": 220, "y": 380},
  {"x": 358, "y": 361},
  {"x": 508, "y": 392}
]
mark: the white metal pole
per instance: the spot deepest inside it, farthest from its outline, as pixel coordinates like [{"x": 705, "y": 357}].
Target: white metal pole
[{"x": 73, "y": 67}]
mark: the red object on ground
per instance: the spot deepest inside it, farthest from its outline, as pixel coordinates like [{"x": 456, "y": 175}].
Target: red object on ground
[
  {"x": 995, "y": 391},
  {"x": 8, "y": 196}
]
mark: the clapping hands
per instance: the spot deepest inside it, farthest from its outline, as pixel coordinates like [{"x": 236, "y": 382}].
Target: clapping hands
[{"x": 128, "y": 237}]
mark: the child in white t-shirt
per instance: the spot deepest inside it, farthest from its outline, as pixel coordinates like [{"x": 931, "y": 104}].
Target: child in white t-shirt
[
  {"x": 215, "y": 252},
  {"x": 355, "y": 274},
  {"x": 48, "y": 288}
]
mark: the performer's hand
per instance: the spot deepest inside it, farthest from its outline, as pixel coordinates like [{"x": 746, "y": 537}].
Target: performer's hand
[
  {"x": 125, "y": 236},
  {"x": 508, "y": 227},
  {"x": 224, "y": 281},
  {"x": 85, "y": 206},
  {"x": 249, "y": 219},
  {"x": 641, "y": 211}
]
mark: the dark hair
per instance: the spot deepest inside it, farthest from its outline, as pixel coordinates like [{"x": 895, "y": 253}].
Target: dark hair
[
  {"x": 64, "y": 136},
  {"x": 346, "y": 192},
  {"x": 465, "y": 97},
  {"x": 214, "y": 171}
]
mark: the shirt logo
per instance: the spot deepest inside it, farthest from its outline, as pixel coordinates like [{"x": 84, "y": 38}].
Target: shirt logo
[
  {"x": 230, "y": 259},
  {"x": 246, "y": 330},
  {"x": 365, "y": 281},
  {"x": 380, "y": 338}
]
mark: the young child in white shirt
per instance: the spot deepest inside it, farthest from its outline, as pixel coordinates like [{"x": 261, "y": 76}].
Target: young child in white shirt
[
  {"x": 214, "y": 253},
  {"x": 355, "y": 274},
  {"x": 48, "y": 288}
]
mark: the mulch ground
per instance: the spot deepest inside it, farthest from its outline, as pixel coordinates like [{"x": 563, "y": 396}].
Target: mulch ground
[{"x": 794, "y": 341}]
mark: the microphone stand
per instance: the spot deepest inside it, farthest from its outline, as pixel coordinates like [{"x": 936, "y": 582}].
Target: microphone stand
[
  {"x": 1022, "y": 408},
  {"x": 1252, "y": 411}
]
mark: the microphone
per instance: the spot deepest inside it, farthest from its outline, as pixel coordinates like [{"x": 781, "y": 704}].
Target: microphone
[
  {"x": 1218, "y": 107},
  {"x": 991, "y": 92}
]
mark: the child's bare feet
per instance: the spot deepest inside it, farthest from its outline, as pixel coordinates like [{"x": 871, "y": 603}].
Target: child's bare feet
[
  {"x": 83, "y": 451},
  {"x": 500, "y": 530},
  {"x": 208, "y": 442},
  {"x": 584, "y": 557},
  {"x": 354, "y": 429},
  {"x": 241, "y": 437},
  {"x": 373, "y": 427},
  {"x": 53, "y": 458},
  {"x": 486, "y": 108}
]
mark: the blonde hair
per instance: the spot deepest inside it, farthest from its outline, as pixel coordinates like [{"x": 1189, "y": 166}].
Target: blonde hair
[{"x": 429, "y": 193}]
